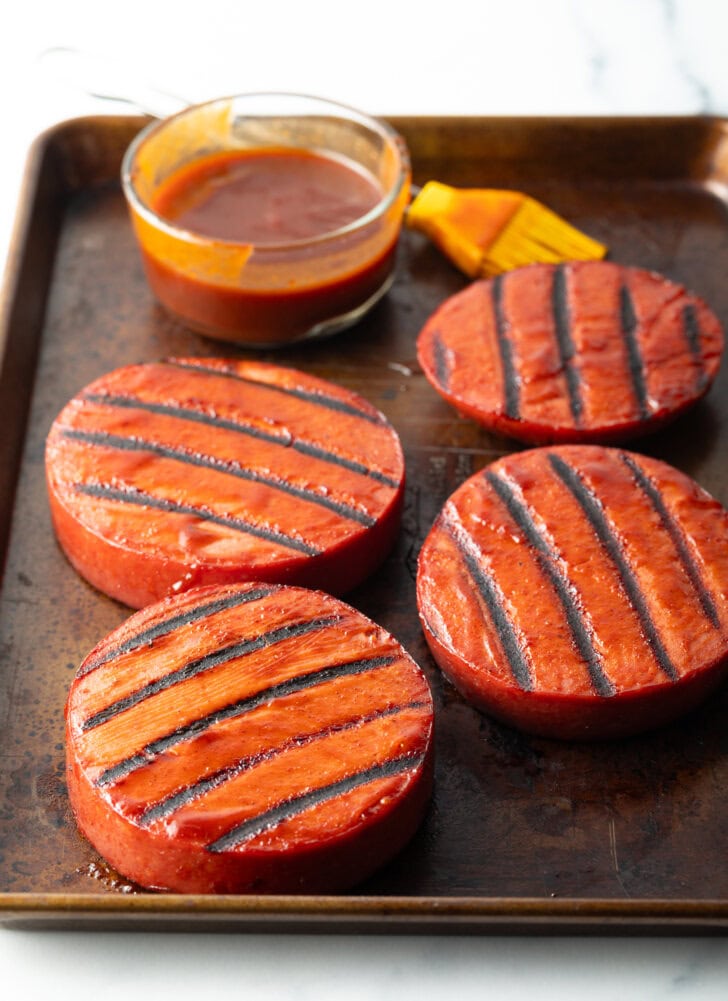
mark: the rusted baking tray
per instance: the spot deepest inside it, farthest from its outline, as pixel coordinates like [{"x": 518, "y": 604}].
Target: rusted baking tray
[{"x": 524, "y": 834}]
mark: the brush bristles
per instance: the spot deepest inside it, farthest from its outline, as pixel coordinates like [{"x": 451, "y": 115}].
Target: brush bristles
[
  {"x": 534, "y": 235},
  {"x": 485, "y": 232}
]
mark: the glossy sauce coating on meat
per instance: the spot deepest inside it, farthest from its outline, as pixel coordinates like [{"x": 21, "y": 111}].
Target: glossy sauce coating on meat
[
  {"x": 249, "y": 738},
  {"x": 578, "y": 591},
  {"x": 583, "y": 352},
  {"x": 197, "y": 471}
]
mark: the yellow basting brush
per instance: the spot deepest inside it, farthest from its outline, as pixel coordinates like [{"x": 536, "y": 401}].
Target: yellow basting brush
[{"x": 485, "y": 231}]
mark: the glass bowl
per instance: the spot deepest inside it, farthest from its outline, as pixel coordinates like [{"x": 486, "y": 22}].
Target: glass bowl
[{"x": 271, "y": 291}]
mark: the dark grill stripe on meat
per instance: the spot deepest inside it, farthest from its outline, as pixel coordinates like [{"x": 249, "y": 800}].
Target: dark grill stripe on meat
[
  {"x": 583, "y": 351},
  {"x": 629, "y": 322},
  {"x": 505, "y": 348},
  {"x": 674, "y": 530},
  {"x": 292, "y": 753},
  {"x": 440, "y": 361},
  {"x": 141, "y": 498},
  {"x": 319, "y": 398},
  {"x": 296, "y": 804},
  {"x": 578, "y": 591},
  {"x": 494, "y": 600},
  {"x": 567, "y": 349},
  {"x": 693, "y": 336}
]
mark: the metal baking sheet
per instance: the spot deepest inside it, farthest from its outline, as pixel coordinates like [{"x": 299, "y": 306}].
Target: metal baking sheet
[{"x": 524, "y": 834}]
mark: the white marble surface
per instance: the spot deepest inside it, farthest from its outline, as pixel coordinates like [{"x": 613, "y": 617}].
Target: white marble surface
[{"x": 480, "y": 57}]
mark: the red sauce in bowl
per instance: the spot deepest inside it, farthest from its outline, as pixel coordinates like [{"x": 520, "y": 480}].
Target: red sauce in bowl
[{"x": 266, "y": 197}]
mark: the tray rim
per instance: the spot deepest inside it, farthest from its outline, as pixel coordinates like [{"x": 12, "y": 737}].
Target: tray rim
[{"x": 346, "y": 913}]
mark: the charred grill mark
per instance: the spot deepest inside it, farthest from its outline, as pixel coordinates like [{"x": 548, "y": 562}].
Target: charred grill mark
[
  {"x": 142, "y": 499},
  {"x": 691, "y": 327},
  {"x": 629, "y": 324},
  {"x": 675, "y": 533},
  {"x": 592, "y": 508},
  {"x": 548, "y": 560},
  {"x": 308, "y": 396},
  {"x": 298, "y": 804},
  {"x": 174, "y": 802},
  {"x": 307, "y": 448},
  {"x": 147, "y": 636},
  {"x": 565, "y": 343},
  {"x": 440, "y": 361},
  {"x": 184, "y": 413},
  {"x": 212, "y": 420},
  {"x": 505, "y": 347},
  {"x": 207, "y": 663},
  {"x": 191, "y": 730},
  {"x": 104, "y": 439},
  {"x": 495, "y": 603}
]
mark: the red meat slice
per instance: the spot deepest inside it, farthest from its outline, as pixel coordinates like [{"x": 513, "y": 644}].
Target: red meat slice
[
  {"x": 578, "y": 352},
  {"x": 249, "y": 738},
  {"x": 191, "y": 472},
  {"x": 578, "y": 591}
]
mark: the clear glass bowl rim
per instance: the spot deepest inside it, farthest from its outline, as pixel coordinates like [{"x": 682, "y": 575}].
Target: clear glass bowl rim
[{"x": 345, "y": 111}]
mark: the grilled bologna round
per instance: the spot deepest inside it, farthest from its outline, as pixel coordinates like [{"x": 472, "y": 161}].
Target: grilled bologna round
[
  {"x": 581, "y": 352},
  {"x": 203, "y": 471},
  {"x": 578, "y": 591},
  {"x": 249, "y": 738}
]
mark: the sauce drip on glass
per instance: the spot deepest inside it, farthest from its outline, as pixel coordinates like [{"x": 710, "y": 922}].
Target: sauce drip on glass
[{"x": 266, "y": 197}]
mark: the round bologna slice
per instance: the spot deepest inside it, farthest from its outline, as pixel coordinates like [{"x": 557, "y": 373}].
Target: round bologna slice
[
  {"x": 577, "y": 352},
  {"x": 198, "y": 471},
  {"x": 578, "y": 591},
  {"x": 249, "y": 738}
]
